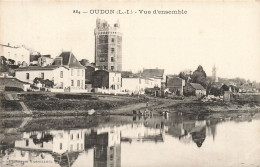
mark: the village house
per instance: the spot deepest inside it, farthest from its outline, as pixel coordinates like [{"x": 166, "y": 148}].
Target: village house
[
  {"x": 106, "y": 81},
  {"x": 133, "y": 85},
  {"x": 57, "y": 74},
  {"x": 196, "y": 89},
  {"x": 175, "y": 84},
  {"x": 45, "y": 60},
  {"x": 89, "y": 71},
  {"x": 19, "y": 54},
  {"x": 76, "y": 76},
  {"x": 66, "y": 73},
  {"x": 154, "y": 77},
  {"x": 41, "y": 60},
  {"x": 10, "y": 82}
]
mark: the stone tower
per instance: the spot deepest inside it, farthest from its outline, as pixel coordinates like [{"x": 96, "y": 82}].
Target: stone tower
[
  {"x": 108, "y": 46},
  {"x": 214, "y": 74}
]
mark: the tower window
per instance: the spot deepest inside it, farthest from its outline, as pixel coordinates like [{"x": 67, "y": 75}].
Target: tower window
[
  {"x": 112, "y": 40},
  {"x": 112, "y": 59},
  {"x": 27, "y": 76},
  {"x": 61, "y": 74},
  {"x": 112, "y": 68},
  {"x": 112, "y": 50}
]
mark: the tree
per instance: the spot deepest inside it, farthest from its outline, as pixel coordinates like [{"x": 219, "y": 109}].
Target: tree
[
  {"x": 11, "y": 61},
  {"x": 84, "y": 62},
  {"x": 199, "y": 76},
  {"x": 185, "y": 74},
  {"x": 224, "y": 88}
]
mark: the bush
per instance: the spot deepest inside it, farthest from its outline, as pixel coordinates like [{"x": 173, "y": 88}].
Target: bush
[
  {"x": 10, "y": 105},
  {"x": 75, "y": 96},
  {"x": 7, "y": 88}
]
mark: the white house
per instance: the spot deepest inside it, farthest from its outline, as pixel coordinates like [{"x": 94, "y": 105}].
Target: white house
[
  {"x": 17, "y": 53},
  {"x": 66, "y": 73},
  {"x": 58, "y": 74},
  {"x": 76, "y": 77},
  {"x": 137, "y": 85},
  {"x": 156, "y": 76}
]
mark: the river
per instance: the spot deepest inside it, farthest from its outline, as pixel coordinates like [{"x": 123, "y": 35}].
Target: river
[{"x": 126, "y": 141}]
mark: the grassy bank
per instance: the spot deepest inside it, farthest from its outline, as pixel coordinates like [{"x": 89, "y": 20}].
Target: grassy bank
[{"x": 62, "y": 104}]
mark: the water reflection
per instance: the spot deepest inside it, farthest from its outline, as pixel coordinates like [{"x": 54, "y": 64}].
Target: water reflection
[{"x": 115, "y": 141}]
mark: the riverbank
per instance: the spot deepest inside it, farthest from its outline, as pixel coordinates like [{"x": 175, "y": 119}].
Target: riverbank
[{"x": 79, "y": 104}]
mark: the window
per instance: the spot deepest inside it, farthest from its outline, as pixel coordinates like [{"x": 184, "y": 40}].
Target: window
[
  {"x": 27, "y": 142},
  {"x": 113, "y": 40},
  {"x": 72, "y": 72},
  {"x": 102, "y": 59},
  {"x": 112, "y": 59},
  {"x": 112, "y": 50},
  {"x": 61, "y": 74},
  {"x": 118, "y": 79},
  {"x": 71, "y": 137},
  {"x": 78, "y": 83},
  {"x": 61, "y": 84},
  {"x": 27, "y": 76},
  {"x": 42, "y": 75},
  {"x": 60, "y": 146},
  {"x": 72, "y": 82},
  {"x": 78, "y": 72},
  {"x": 113, "y": 79},
  {"x": 78, "y": 135},
  {"x": 112, "y": 67}
]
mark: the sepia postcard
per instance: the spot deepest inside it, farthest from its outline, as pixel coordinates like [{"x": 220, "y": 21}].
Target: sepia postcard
[{"x": 130, "y": 83}]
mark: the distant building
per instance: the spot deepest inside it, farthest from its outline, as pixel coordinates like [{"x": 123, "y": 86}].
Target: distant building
[
  {"x": 214, "y": 74},
  {"x": 156, "y": 75},
  {"x": 137, "y": 85},
  {"x": 196, "y": 89},
  {"x": 106, "y": 80},
  {"x": 175, "y": 84},
  {"x": 108, "y": 46},
  {"x": 18, "y": 53},
  {"x": 45, "y": 60},
  {"x": 134, "y": 85}
]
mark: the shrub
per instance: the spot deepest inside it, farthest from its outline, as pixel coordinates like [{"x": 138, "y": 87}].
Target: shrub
[{"x": 7, "y": 88}]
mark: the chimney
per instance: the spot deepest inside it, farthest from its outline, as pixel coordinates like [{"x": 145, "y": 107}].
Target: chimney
[{"x": 58, "y": 61}]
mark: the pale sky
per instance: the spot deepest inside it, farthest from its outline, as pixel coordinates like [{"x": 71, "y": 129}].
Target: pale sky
[{"x": 226, "y": 34}]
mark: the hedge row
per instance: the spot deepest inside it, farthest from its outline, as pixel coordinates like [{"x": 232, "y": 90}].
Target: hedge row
[{"x": 72, "y": 105}]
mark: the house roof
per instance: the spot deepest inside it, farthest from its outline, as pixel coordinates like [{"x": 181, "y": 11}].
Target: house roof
[
  {"x": 6, "y": 81},
  {"x": 37, "y": 68},
  {"x": 153, "y": 73},
  {"x": 197, "y": 86},
  {"x": 109, "y": 71},
  {"x": 68, "y": 59},
  {"x": 174, "y": 82}
]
